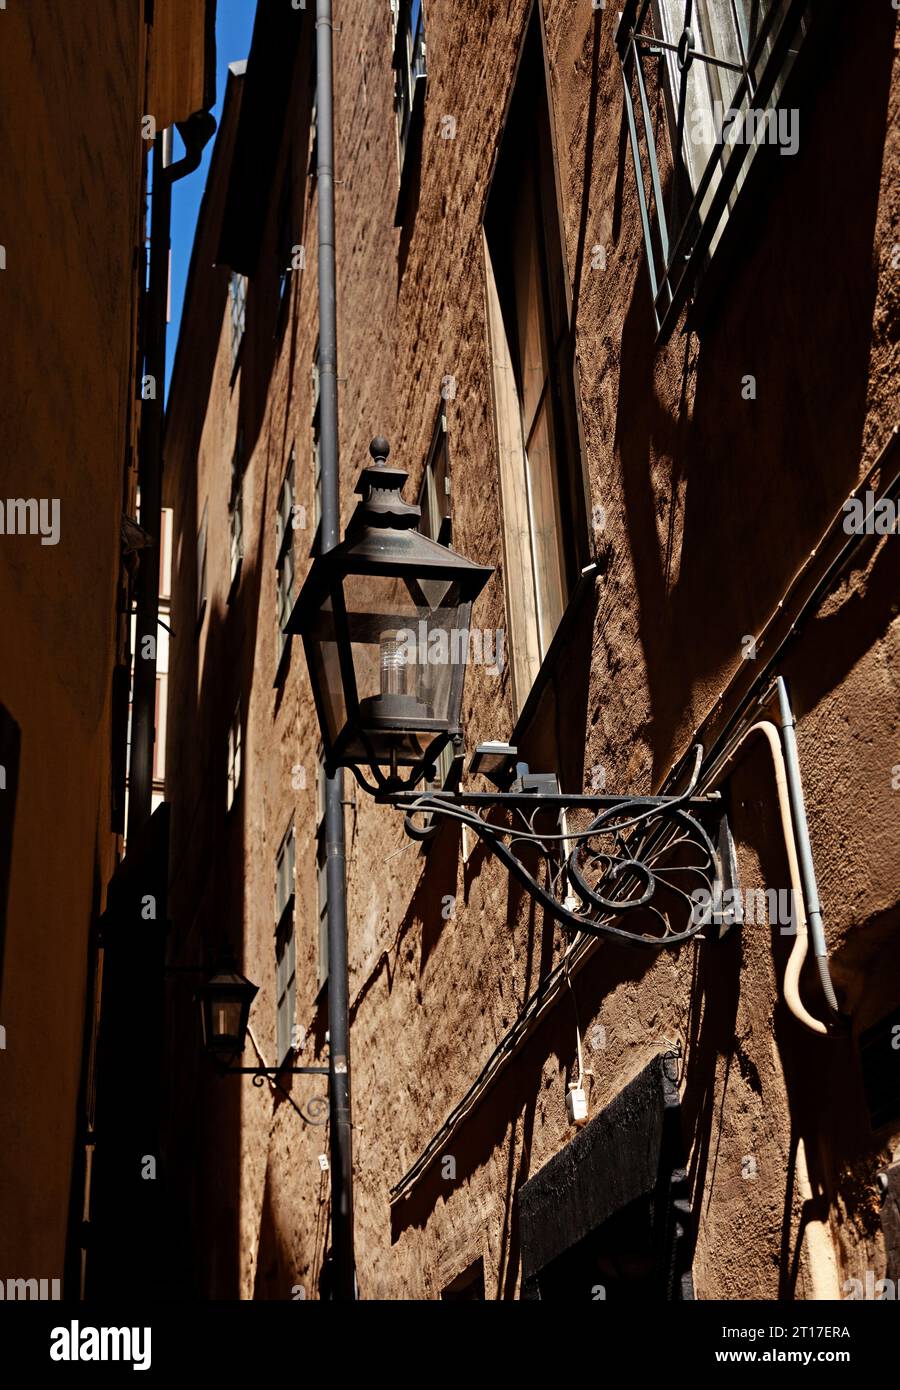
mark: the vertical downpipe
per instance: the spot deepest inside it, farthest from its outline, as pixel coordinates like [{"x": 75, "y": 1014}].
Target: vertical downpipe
[{"x": 338, "y": 992}]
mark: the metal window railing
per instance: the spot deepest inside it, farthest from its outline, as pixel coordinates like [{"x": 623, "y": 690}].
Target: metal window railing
[{"x": 682, "y": 217}]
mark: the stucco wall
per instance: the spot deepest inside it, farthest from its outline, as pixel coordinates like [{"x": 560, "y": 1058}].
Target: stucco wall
[{"x": 69, "y": 133}]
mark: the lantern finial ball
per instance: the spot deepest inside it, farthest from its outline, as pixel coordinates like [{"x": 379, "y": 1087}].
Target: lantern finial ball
[{"x": 379, "y": 449}]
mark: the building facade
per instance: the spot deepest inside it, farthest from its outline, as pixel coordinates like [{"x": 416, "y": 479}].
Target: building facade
[
  {"x": 623, "y": 296},
  {"x": 87, "y": 93}
]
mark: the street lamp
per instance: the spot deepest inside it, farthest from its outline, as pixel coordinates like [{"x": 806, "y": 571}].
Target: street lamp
[
  {"x": 385, "y": 618},
  {"x": 225, "y": 1001}
]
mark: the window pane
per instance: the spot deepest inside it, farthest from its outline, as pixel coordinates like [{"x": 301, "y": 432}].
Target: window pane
[
  {"x": 531, "y": 325},
  {"x": 545, "y": 524}
]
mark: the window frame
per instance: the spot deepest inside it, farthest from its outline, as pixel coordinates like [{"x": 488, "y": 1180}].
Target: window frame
[
  {"x": 529, "y": 643},
  {"x": 285, "y": 947},
  {"x": 234, "y": 758},
  {"x": 410, "y": 67},
  {"x": 322, "y": 959},
  {"x": 202, "y": 542},
  {"x": 316, "y": 425},
  {"x": 435, "y": 505},
  {"x": 236, "y": 515},
  {"x": 284, "y": 560},
  {"x": 238, "y": 317},
  {"x": 285, "y": 242}
]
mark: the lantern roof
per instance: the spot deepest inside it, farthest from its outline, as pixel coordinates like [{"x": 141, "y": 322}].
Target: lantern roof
[{"x": 382, "y": 539}]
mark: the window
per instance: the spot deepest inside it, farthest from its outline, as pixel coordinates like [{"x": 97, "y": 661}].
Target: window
[
  {"x": 285, "y": 241},
  {"x": 285, "y": 562},
  {"x": 165, "y": 555},
  {"x": 234, "y": 758},
  {"x": 434, "y": 500},
  {"x": 285, "y": 946},
  {"x": 724, "y": 66},
  {"x": 236, "y": 509},
  {"x": 409, "y": 70},
  {"x": 322, "y": 876},
  {"x": 238, "y": 315},
  {"x": 317, "y": 456},
  {"x": 542, "y": 487},
  {"x": 201, "y": 565},
  {"x": 314, "y": 131},
  {"x": 434, "y": 496}
]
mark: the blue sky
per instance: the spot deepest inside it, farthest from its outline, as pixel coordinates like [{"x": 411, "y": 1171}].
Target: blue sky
[{"x": 234, "y": 30}]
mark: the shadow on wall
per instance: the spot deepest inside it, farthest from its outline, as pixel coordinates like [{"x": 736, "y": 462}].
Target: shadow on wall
[
  {"x": 207, "y": 909},
  {"x": 760, "y": 478}
]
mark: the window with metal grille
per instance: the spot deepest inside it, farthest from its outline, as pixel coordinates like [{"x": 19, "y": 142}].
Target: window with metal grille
[
  {"x": 322, "y": 875},
  {"x": 409, "y": 70},
  {"x": 284, "y": 580},
  {"x": 285, "y": 946},
  {"x": 721, "y": 67},
  {"x": 238, "y": 314}
]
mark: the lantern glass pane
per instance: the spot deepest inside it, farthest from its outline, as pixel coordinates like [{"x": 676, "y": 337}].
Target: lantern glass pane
[
  {"x": 408, "y": 639},
  {"x": 326, "y": 668},
  {"x": 226, "y": 1020}
]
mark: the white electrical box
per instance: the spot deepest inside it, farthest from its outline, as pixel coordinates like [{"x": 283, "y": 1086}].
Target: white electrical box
[{"x": 576, "y": 1105}]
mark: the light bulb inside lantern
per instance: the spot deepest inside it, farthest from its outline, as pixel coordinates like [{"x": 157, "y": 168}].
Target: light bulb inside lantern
[{"x": 393, "y": 664}]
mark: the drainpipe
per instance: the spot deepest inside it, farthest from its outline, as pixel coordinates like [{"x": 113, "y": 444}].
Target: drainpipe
[
  {"x": 195, "y": 132},
  {"x": 804, "y": 850},
  {"x": 344, "y": 1285}
]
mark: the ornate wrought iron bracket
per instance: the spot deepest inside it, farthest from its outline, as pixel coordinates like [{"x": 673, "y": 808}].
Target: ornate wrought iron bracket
[
  {"x": 661, "y": 864},
  {"x": 314, "y": 1111}
]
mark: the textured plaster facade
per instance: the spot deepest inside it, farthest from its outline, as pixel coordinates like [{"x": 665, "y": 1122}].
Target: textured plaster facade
[
  {"x": 74, "y": 92},
  {"x": 712, "y": 503}
]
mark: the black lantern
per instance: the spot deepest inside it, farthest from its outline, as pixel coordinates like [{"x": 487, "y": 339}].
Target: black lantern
[
  {"x": 225, "y": 1002},
  {"x": 384, "y": 618}
]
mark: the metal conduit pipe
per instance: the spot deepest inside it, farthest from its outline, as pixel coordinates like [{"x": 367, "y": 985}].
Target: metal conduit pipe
[
  {"x": 804, "y": 848},
  {"x": 341, "y": 1129},
  {"x": 788, "y": 826}
]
